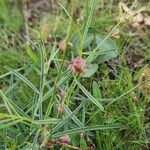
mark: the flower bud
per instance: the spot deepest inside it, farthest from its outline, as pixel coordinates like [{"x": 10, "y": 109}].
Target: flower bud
[
  {"x": 65, "y": 139},
  {"x": 78, "y": 65}
]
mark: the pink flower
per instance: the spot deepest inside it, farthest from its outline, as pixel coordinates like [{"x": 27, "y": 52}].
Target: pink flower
[
  {"x": 65, "y": 139},
  {"x": 78, "y": 65}
]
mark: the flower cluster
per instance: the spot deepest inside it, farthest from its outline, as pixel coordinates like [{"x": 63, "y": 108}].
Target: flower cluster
[{"x": 78, "y": 65}]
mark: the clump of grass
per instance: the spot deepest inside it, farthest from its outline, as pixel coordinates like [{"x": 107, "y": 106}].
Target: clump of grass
[{"x": 48, "y": 100}]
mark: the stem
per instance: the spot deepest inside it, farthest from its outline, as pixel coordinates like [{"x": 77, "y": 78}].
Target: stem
[{"x": 60, "y": 70}]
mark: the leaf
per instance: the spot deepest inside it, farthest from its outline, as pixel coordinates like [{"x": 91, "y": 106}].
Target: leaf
[
  {"x": 87, "y": 128},
  {"x": 107, "y": 49},
  {"x": 83, "y": 142},
  {"x": 7, "y": 103},
  {"x": 90, "y": 96},
  {"x": 49, "y": 121},
  {"x": 75, "y": 40},
  {"x": 96, "y": 90},
  {"x": 63, "y": 78},
  {"x": 92, "y": 68},
  {"x": 89, "y": 20},
  {"x": 88, "y": 40},
  {"x": 8, "y": 124},
  {"x": 8, "y": 73},
  {"x": 52, "y": 55},
  {"x": 32, "y": 54},
  {"x": 35, "y": 140},
  {"x": 71, "y": 115},
  {"x": 25, "y": 80}
]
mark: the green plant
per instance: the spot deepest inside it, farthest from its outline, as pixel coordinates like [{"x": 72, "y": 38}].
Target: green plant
[{"x": 44, "y": 104}]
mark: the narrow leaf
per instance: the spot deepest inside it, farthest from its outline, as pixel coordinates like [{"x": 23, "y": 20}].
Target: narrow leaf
[
  {"x": 88, "y": 128},
  {"x": 25, "y": 80},
  {"x": 90, "y": 96},
  {"x": 96, "y": 90}
]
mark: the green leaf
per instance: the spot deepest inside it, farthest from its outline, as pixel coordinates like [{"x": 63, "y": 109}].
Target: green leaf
[
  {"x": 88, "y": 40},
  {"x": 96, "y": 90},
  {"x": 25, "y": 80},
  {"x": 76, "y": 41},
  {"x": 49, "y": 121},
  {"x": 32, "y": 54},
  {"x": 7, "y": 103},
  {"x": 71, "y": 115},
  {"x": 89, "y": 20},
  {"x": 83, "y": 142},
  {"x": 92, "y": 68},
  {"x": 84, "y": 129},
  {"x": 107, "y": 49},
  {"x": 90, "y": 96},
  {"x": 8, "y": 124},
  {"x": 35, "y": 141}
]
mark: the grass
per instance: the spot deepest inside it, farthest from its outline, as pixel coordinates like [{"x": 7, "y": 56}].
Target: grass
[{"x": 107, "y": 109}]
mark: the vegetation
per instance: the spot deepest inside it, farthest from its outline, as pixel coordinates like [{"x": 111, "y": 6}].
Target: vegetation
[{"x": 74, "y": 75}]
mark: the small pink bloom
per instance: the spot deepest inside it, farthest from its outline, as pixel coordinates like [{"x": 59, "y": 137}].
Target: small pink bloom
[
  {"x": 65, "y": 139},
  {"x": 78, "y": 65}
]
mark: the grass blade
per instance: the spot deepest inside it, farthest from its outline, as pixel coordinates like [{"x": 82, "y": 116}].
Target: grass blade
[
  {"x": 25, "y": 80},
  {"x": 7, "y": 103},
  {"x": 85, "y": 129},
  {"x": 90, "y": 96},
  {"x": 8, "y": 124},
  {"x": 48, "y": 121}
]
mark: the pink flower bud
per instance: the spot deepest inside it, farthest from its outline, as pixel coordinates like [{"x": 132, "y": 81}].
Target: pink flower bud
[
  {"x": 78, "y": 65},
  {"x": 65, "y": 139},
  {"x": 62, "y": 93}
]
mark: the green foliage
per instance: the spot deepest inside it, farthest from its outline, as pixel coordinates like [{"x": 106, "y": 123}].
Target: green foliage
[
  {"x": 93, "y": 108},
  {"x": 11, "y": 58},
  {"x": 107, "y": 49},
  {"x": 92, "y": 68},
  {"x": 90, "y": 96},
  {"x": 32, "y": 55},
  {"x": 10, "y": 14},
  {"x": 104, "y": 47},
  {"x": 96, "y": 90}
]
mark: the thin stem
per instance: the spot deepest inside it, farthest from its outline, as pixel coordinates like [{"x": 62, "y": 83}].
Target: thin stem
[{"x": 60, "y": 70}]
